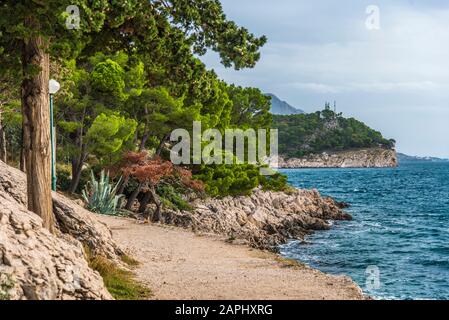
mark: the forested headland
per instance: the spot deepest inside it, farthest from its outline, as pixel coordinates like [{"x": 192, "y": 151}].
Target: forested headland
[{"x": 325, "y": 131}]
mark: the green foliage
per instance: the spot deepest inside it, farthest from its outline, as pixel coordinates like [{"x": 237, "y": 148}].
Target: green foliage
[
  {"x": 160, "y": 112},
  {"x": 139, "y": 25},
  {"x": 130, "y": 75},
  {"x": 216, "y": 106},
  {"x": 100, "y": 196},
  {"x": 108, "y": 77},
  {"x": 173, "y": 198},
  {"x": 224, "y": 180},
  {"x": 109, "y": 133},
  {"x": 6, "y": 284},
  {"x": 63, "y": 177},
  {"x": 11, "y": 121},
  {"x": 251, "y": 108},
  {"x": 275, "y": 182},
  {"x": 207, "y": 26},
  {"x": 303, "y": 134}
]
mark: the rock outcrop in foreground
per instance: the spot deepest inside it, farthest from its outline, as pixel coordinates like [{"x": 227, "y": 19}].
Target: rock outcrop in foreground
[
  {"x": 364, "y": 158},
  {"x": 72, "y": 219},
  {"x": 35, "y": 264},
  {"x": 265, "y": 219}
]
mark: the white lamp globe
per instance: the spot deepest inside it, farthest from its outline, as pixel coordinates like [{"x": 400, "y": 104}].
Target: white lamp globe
[{"x": 54, "y": 86}]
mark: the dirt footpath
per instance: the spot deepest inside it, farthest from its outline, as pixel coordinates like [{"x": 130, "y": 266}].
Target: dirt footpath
[{"x": 178, "y": 264}]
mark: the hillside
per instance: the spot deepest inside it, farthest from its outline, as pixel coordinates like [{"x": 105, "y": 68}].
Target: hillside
[
  {"x": 324, "y": 131},
  {"x": 354, "y": 158},
  {"x": 280, "y": 107},
  {"x": 407, "y": 158}
]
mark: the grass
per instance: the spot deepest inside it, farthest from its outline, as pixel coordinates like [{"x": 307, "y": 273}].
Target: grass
[
  {"x": 130, "y": 261},
  {"x": 289, "y": 263},
  {"x": 120, "y": 283},
  {"x": 6, "y": 284}
]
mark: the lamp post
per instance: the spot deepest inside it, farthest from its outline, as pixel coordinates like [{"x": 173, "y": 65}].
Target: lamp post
[{"x": 54, "y": 87}]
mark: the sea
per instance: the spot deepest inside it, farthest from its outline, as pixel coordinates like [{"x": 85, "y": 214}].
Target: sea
[{"x": 397, "y": 245}]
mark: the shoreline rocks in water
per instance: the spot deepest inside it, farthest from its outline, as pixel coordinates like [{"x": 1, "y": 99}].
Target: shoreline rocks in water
[
  {"x": 264, "y": 219},
  {"x": 361, "y": 158}
]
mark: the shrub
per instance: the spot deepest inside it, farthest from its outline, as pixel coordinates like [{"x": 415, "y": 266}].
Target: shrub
[
  {"x": 63, "y": 177},
  {"x": 275, "y": 182},
  {"x": 174, "y": 198},
  {"x": 6, "y": 284},
  {"x": 225, "y": 180},
  {"x": 108, "y": 77},
  {"x": 100, "y": 195}
]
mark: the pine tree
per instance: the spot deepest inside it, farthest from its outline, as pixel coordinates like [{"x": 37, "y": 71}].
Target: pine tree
[{"x": 32, "y": 31}]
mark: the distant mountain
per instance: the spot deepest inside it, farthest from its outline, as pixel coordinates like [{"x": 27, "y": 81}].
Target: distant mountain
[
  {"x": 280, "y": 107},
  {"x": 406, "y": 158}
]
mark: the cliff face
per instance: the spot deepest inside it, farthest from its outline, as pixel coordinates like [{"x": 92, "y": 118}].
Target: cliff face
[
  {"x": 37, "y": 265},
  {"x": 363, "y": 158}
]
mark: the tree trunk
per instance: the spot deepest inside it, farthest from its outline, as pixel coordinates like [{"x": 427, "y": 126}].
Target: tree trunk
[
  {"x": 144, "y": 202},
  {"x": 144, "y": 141},
  {"x": 161, "y": 144},
  {"x": 146, "y": 133},
  {"x": 123, "y": 184},
  {"x": 157, "y": 215},
  {"x": 133, "y": 197},
  {"x": 36, "y": 128},
  {"x": 22, "y": 155},
  {"x": 77, "y": 168},
  {"x": 3, "y": 154}
]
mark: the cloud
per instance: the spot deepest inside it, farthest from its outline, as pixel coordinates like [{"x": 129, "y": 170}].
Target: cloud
[{"x": 322, "y": 50}]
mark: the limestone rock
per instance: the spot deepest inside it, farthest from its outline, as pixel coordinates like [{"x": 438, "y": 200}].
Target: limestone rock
[
  {"x": 72, "y": 218},
  {"x": 37, "y": 265},
  {"x": 362, "y": 158},
  {"x": 265, "y": 219}
]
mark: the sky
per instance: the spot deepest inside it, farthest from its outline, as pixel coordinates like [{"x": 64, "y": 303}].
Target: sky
[{"x": 392, "y": 75}]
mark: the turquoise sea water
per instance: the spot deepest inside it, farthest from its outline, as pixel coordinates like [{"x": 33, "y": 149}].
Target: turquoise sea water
[{"x": 401, "y": 225}]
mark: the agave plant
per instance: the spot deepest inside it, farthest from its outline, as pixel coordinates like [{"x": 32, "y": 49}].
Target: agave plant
[{"x": 100, "y": 195}]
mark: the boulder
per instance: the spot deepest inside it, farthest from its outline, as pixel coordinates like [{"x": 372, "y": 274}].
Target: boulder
[
  {"x": 37, "y": 265},
  {"x": 72, "y": 219}
]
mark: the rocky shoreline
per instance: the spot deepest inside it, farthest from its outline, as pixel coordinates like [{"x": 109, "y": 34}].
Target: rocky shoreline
[
  {"x": 361, "y": 158},
  {"x": 35, "y": 264},
  {"x": 263, "y": 220}
]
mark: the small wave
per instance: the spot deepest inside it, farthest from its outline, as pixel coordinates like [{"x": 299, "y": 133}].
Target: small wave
[{"x": 401, "y": 224}]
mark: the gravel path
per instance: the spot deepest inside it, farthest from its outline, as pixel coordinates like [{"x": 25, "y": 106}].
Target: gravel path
[{"x": 178, "y": 264}]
